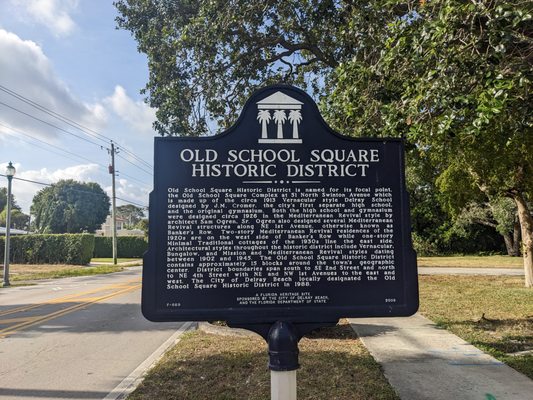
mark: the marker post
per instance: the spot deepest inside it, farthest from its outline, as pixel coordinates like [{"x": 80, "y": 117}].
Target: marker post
[
  {"x": 283, "y": 360},
  {"x": 282, "y": 338},
  {"x": 283, "y": 385}
]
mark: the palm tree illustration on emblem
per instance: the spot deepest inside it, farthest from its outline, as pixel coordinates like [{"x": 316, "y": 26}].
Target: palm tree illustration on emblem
[
  {"x": 279, "y": 102},
  {"x": 295, "y": 116},
  {"x": 264, "y": 118}
]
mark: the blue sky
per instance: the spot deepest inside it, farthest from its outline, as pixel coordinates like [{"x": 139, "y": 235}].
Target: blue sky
[{"x": 67, "y": 56}]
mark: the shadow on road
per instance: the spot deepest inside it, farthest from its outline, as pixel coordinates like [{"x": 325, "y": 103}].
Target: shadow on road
[
  {"x": 75, "y": 317},
  {"x": 51, "y": 394}
]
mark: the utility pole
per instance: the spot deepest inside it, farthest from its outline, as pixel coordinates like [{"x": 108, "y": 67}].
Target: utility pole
[{"x": 113, "y": 203}]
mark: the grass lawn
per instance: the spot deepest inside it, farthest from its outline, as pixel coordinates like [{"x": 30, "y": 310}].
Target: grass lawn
[
  {"x": 493, "y": 313},
  {"x": 334, "y": 365},
  {"x": 28, "y": 272},
  {"x": 110, "y": 260},
  {"x": 472, "y": 262}
]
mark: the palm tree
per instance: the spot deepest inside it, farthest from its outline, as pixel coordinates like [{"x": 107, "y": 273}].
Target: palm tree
[
  {"x": 264, "y": 117},
  {"x": 295, "y": 116},
  {"x": 280, "y": 118}
]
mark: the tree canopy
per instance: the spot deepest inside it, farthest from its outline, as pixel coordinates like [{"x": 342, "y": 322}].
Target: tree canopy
[
  {"x": 70, "y": 207},
  {"x": 453, "y": 77},
  {"x": 3, "y": 200},
  {"x": 132, "y": 214},
  {"x": 19, "y": 220},
  {"x": 206, "y": 57}
]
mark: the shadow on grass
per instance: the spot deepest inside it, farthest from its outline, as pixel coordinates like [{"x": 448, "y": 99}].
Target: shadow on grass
[
  {"x": 509, "y": 335},
  {"x": 500, "y": 338},
  {"x": 237, "y": 369},
  {"x": 340, "y": 331}
]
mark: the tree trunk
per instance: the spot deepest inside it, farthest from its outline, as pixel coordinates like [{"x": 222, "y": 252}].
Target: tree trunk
[
  {"x": 516, "y": 239},
  {"x": 512, "y": 241},
  {"x": 509, "y": 245},
  {"x": 526, "y": 224}
]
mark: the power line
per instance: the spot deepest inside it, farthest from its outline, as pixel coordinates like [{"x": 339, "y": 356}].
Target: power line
[
  {"x": 131, "y": 202},
  {"x": 105, "y": 167},
  {"x": 136, "y": 157},
  {"x": 48, "y": 144},
  {"x": 28, "y": 180},
  {"x": 68, "y": 121},
  {"x": 54, "y": 114},
  {"x": 132, "y": 178},
  {"x": 42, "y": 148},
  {"x": 135, "y": 165},
  {"x": 50, "y": 124},
  {"x": 76, "y": 190}
]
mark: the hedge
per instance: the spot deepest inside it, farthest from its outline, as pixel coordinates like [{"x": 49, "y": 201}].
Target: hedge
[
  {"x": 127, "y": 246},
  {"x": 50, "y": 249}
]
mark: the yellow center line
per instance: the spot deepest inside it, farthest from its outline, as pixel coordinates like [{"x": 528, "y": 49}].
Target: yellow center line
[
  {"x": 67, "y": 297},
  {"x": 7, "y": 331},
  {"x": 12, "y": 320}
]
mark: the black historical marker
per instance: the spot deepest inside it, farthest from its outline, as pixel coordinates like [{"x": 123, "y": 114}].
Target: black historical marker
[{"x": 279, "y": 219}]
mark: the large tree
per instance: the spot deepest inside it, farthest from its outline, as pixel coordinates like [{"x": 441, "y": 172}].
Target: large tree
[
  {"x": 70, "y": 207},
  {"x": 455, "y": 77},
  {"x": 451, "y": 76},
  {"x": 206, "y": 56}
]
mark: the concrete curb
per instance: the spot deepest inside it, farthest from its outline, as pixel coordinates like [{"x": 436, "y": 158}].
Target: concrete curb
[{"x": 130, "y": 383}]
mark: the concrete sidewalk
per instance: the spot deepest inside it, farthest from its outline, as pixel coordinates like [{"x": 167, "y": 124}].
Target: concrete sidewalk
[{"x": 423, "y": 362}]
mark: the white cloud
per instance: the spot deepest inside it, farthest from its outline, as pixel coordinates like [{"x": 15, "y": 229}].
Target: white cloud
[
  {"x": 55, "y": 15},
  {"x": 24, "y": 191},
  {"x": 129, "y": 191},
  {"x": 137, "y": 114},
  {"x": 27, "y": 71}
]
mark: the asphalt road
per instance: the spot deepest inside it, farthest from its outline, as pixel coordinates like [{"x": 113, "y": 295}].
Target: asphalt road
[{"x": 75, "y": 338}]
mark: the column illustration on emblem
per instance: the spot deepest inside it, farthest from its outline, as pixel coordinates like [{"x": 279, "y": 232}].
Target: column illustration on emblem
[{"x": 279, "y": 102}]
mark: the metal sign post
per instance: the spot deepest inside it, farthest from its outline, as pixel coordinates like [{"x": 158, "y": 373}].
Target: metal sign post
[
  {"x": 283, "y": 352},
  {"x": 279, "y": 225},
  {"x": 283, "y": 385}
]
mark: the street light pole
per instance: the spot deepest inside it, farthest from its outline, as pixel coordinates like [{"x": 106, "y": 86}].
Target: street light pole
[{"x": 10, "y": 172}]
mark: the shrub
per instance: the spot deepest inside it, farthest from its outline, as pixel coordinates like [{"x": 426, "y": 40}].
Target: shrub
[
  {"x": 127, "y": 246},
  {"x": 102, "y": 247},
  {"x": 50, "y": 249}
]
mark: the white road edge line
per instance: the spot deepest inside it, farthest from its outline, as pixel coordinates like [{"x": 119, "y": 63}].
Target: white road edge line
[{"x": 133, "y": 380}]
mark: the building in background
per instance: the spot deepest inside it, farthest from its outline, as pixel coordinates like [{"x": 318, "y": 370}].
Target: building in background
[{"x": 107, "y": 228}]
